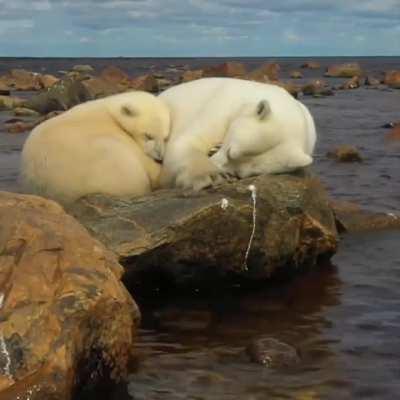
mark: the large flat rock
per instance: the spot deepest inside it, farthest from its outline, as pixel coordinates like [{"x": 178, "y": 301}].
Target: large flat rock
[{"x": 210, "y": 233}]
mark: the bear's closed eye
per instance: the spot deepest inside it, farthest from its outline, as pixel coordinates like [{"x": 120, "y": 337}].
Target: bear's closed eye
[{"x": 126, "y": 110}]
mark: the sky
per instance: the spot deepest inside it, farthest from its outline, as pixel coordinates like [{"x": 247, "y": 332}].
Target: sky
[{"x": 180, "y": 28}]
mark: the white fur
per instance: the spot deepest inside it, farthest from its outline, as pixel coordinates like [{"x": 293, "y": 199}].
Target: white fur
[
  {"x": 103, "y": 146},
  {"x": 261, "y": 127}
]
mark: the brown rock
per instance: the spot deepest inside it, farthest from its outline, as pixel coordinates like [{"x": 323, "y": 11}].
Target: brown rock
[
  {"x": 317, "y": 87},
  {"x": 353, "y": 83},
  {"x": 291, "y": 87},
  {"x": 98, "y": 87},
  {"x": 350, "y": 218},
  {"x": 371, "y": 81},
  {"x": 347, "y": 70},
  {"x": 164, "y": 84},
  {"x": 176, "y": 233},
  {"x": 147, "y": 83},
  {"x": 311, "y": 65},
  {"x": 47, "y": 81},
  {"x": 115, "y": 76},
  {"x": 22, "y": 80},
  {"x": 228, "y": 69},
  {"x": 265, "y": 73},
  {"x": 392, "y": 79},
  {"x": 188, "y": 76},
  {"x": 345, "y": 153},
  {"x": 394, "y": 134},
  {"x": 296, "y": 75},
  {"x": 66, "y": 319}
]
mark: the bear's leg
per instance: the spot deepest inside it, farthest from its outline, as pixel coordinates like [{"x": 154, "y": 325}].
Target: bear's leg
[
  {"x": 188, "y": 166},
  {"x": 280, "y": 159}
]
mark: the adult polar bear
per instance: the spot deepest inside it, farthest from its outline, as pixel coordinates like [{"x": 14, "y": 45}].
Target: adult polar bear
[
  {"x": 261, "y": 127},
  {"x": 107, "y": 146}
]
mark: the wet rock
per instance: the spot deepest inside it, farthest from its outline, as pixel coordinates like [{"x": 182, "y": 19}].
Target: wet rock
[
  {"x": 147, "y": 83},
  {"x": 345, "y": 153},
  {"x": 66, "y": 319},
  {"x": 19, "y": 126},
  {"x": 265, "y": 73},
  {"x": 347, "y": 70},
  {"x": 25, "y": 112},
  {"x": 195, "y": 237},
  {"x": 317, "y": 88},
  {"x": 98, "y": 87},
  {"x": 291, "y": 87},
  {"x": 21, "y": 80},
  {"x": 83, "y": 68},
  {"x": 115, "y": 76},
  {"x": 60, "y": 97},
  {"x": 391, "y": 125},
  {"x": 188, "y": 76},
  {"x": 228, "y": 69},
  {"x": 352, "y": 218},
  {"x": 272, "y": 353},
  {"x": 164, "y": 84},
  {"x": 47, "y": 81},
  {"x": 353, "y": 83},
  {"x": 371, "y": 81},
  {"x": 394, "y": 134},
  {"x": 10, "y": 102},
  {"x": 4, "y": 89},
  {"x": 296, "y": 75},
  {"x": 311, "y": 65},
  {"x": 392, "y": 79}
]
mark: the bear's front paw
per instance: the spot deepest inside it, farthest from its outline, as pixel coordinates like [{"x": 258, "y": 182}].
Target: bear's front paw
[{"x": 195, "y": 179}]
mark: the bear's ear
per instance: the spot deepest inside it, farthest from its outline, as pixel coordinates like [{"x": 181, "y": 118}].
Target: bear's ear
[
  {"x": 128, "y": 110},
  {"x": 263, "y": 109}
]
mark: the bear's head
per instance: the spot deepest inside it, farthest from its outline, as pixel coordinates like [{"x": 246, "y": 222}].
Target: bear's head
[
  {"x": 253, "y": 132},
  {"x": 144, "y": 117}
]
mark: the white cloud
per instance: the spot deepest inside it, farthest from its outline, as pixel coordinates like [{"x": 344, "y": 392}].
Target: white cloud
[{"x": 292, "y": 37}]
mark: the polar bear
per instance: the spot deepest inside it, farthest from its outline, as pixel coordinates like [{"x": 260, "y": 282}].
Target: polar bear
[
  {"x": 109, "y": 146},
  {"x": 259, "y": 127}
]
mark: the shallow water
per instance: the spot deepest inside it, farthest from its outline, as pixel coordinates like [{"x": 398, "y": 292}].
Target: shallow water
[{"x": 344, "y": 319}]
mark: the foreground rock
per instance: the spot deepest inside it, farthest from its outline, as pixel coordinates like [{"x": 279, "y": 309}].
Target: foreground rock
[
  {"x": 351, "y": 218},
  {"x": 66, "y": 319},
  {"x": 60, "y": 97},
  {"x": 206, "y": 235},
  {"x": 347, "y": 70}
]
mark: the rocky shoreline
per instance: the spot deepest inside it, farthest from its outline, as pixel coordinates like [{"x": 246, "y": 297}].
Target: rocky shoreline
[{"x": 67, "y": 319}]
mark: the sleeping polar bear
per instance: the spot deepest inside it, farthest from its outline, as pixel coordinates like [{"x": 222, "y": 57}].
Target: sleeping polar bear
[
  {"x": 107, "y": 146},
  {"x": 259, "y": 127}
]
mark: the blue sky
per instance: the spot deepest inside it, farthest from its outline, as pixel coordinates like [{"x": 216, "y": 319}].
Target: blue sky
[{"x": 133, "y": 28}]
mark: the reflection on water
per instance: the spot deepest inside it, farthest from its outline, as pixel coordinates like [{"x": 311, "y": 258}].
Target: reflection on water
[{"x": 344, "y": 321}]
